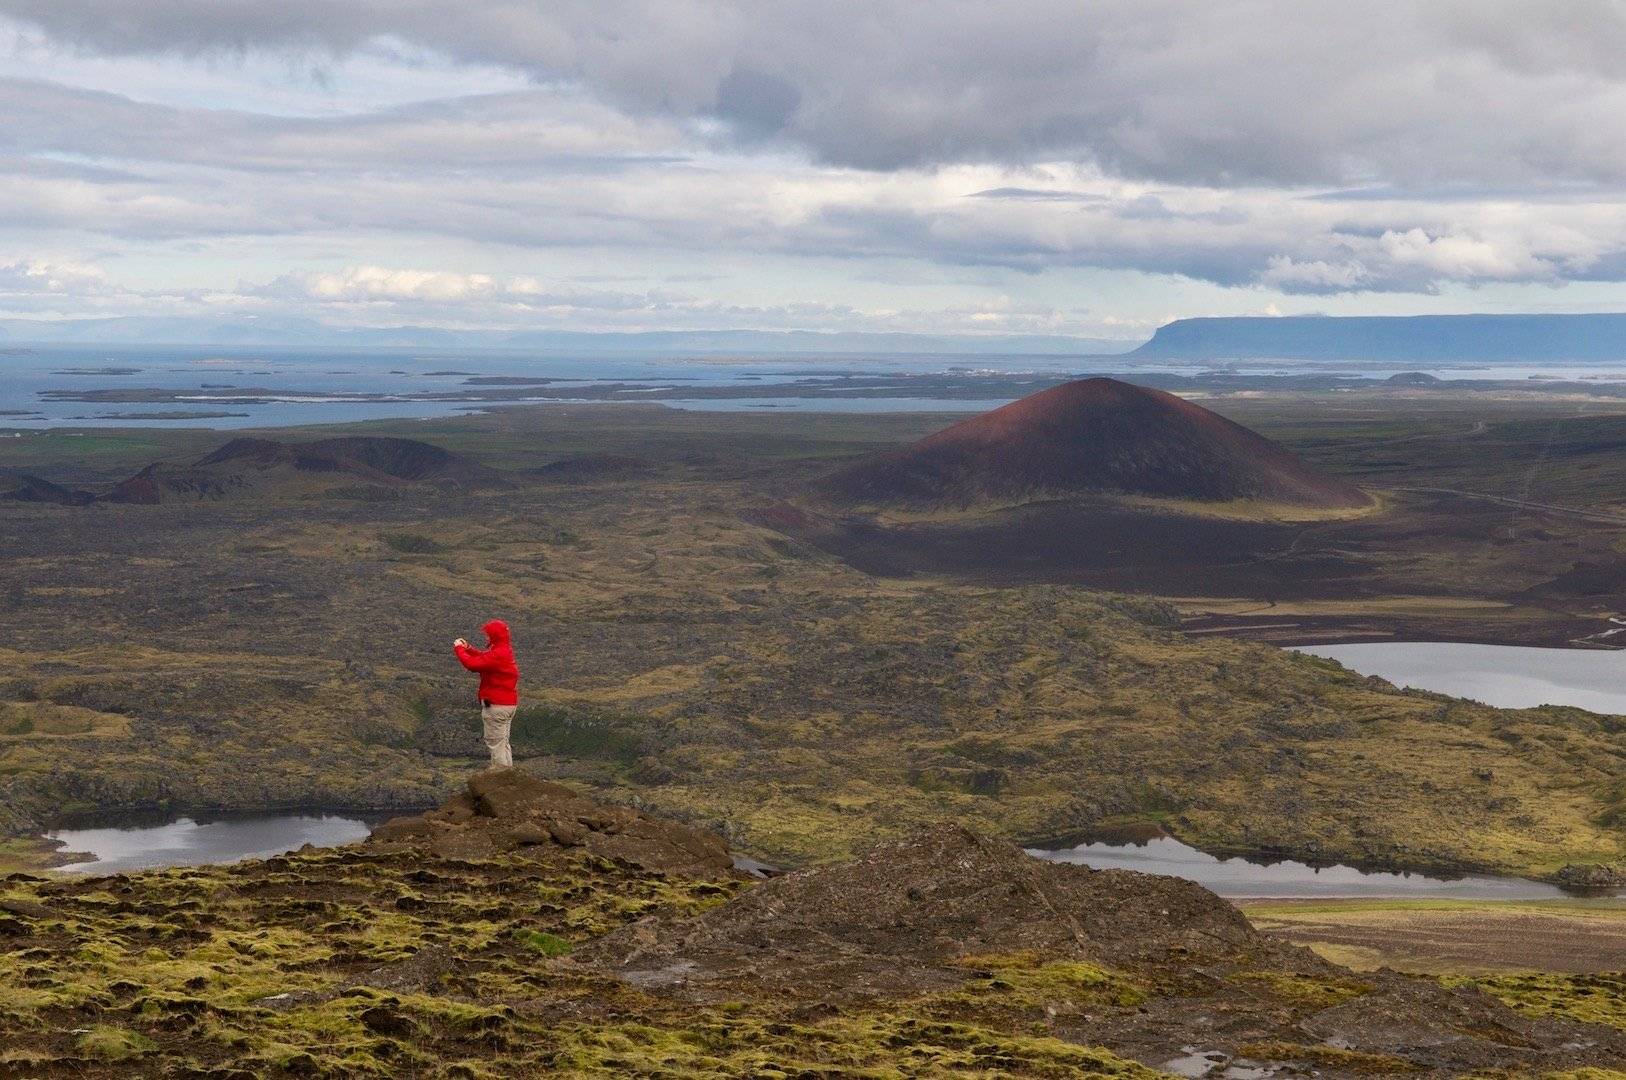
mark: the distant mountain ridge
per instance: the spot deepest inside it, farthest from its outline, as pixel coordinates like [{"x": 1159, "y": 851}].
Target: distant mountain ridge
[
  {"x": 1407, "y": 339},
  {"x": 295, "y": 332}
]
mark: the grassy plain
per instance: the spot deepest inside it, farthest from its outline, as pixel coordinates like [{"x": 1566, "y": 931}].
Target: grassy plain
[{"x": 292, "y": 650}]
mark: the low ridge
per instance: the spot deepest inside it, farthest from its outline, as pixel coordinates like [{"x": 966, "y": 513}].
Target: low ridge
[
  {"x": 247, "y": 462},
  {"x": 398, "y": 459},
  {"x": 1091, "y": 436}
]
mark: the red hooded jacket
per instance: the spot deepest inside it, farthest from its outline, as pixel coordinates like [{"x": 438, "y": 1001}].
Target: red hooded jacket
[{"x": 499, "y": 675}]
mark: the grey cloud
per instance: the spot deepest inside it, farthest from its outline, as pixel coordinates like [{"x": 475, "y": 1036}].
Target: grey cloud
[
  {"x": 1034, "y": 195},
  {"x": 616, "y": 147},
  {"x": 1252, "y": 91},
  {"x": 757, "y": 104},
  {"x": 494, "y": 131}
]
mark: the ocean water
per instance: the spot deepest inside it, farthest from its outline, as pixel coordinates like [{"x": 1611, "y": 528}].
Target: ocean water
[{"x": 208, "y": 374}]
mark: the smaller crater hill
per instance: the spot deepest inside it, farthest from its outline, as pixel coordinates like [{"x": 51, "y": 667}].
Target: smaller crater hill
[
  {"x": 21, "y": 487},
  {"x": 1091, "y": 436},
  {"x": 253, "y": 464}
]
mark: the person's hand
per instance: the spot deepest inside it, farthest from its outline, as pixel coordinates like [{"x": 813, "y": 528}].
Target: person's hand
[{"x": 460, "y": 641}]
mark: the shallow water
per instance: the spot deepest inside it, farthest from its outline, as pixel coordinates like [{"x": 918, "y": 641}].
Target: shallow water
[
  {"x": 210, "y": 377},
  {"x": 209, "y": 373},
  {"x": 1509, "y": 676},
  {"x": 1238, "y": 877},
  {"x": 188, "y": 842}
]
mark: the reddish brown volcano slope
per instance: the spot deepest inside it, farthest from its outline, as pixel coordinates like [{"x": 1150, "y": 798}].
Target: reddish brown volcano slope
[{"x": 1092, "y": 435}]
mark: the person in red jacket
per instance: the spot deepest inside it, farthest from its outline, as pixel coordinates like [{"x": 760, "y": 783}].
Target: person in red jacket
[{"x": 499, "y": 687}]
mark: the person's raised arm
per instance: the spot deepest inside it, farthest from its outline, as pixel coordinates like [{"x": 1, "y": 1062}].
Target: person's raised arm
[{"x": 470, "y": 657}]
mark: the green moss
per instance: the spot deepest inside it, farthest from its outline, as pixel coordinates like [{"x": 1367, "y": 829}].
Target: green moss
[
  {"x": 1597, "y": 998},
  {"x": 876, "y": 1045},
  {"x": 574, "y": 734},
  {"x": 114, "y": 1044},
  {"x": 1311, "y": 991},
  {"x": 546, "y": 944},
  {"x": 1023, "y": 980}
]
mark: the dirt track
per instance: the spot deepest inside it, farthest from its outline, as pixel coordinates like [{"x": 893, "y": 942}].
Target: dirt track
[{"x": 1564, "y": 936}]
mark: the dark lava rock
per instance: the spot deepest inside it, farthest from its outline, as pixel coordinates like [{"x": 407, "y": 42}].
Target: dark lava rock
[
  {"x": 385, "y": 1020},
  {"x": 509, "y": 810}
]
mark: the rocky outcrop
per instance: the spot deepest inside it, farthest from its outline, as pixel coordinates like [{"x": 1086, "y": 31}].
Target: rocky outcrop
[
  {"x": 1590, "y": 876},
  {"x": 1154, "y": 968},
  {"x": 902, "y": 916},
  {"x": 511, "y": 811}
]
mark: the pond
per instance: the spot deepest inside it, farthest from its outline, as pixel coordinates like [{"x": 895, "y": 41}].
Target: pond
[
  {"x": 1237, "y": 877},
  {"x": 1510, "y": 676},
  {"x": 144, "y": 844},
  {"x": 188, "y": 841}
]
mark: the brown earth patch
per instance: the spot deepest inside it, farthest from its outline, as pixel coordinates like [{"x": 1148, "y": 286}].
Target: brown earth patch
[{"x": 1573, "y": 937}]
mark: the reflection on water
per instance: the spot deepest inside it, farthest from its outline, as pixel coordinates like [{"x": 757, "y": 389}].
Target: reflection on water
[
  {"x": 188, "y": 842},
  {"x": 1239, "y": 877},
  {"x": 1509, "y": 676}
]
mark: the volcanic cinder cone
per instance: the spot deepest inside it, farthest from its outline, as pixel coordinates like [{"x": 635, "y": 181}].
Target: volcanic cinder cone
[{"x": 1098, "y": 436}]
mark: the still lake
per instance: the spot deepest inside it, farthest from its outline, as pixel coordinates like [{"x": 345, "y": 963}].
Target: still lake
[
  {"x": 1509, "y": 676},
  {"x": 1238, "y": 877},
  {"x": 186, "y": 841}
]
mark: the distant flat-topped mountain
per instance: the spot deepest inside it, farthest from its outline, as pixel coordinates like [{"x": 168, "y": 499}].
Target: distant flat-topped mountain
[
  {"x": 1098, "y": 436},
  {"x": 1405, "y": 339},
  {"x": 255, "y": 464}
]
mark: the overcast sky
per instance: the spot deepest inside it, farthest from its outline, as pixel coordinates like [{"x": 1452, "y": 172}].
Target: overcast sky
[{"x": 1055, "y": 167}]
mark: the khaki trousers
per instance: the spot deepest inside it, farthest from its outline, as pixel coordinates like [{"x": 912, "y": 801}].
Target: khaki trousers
[{"x": 494, "y": 719}]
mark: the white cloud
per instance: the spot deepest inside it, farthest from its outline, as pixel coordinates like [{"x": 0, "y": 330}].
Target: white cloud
[
  {"x": 1270, "y": 148},
  {"x": 379, "y": 283},
  {"x": 40, "y": 276}
]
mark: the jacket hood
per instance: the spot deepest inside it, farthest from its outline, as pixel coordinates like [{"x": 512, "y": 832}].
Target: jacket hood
[{"x": 496, "y": 632}]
